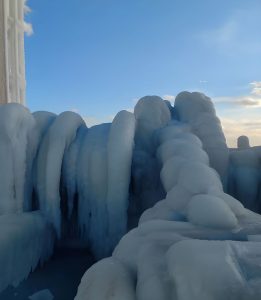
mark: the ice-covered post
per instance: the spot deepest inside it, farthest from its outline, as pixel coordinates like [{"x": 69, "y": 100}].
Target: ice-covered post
[
  {"x": 243, "y": 142},
  {"x": 12, "y": 65}
]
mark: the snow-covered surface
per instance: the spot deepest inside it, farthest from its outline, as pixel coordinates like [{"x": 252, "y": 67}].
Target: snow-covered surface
[{"x": 26, "y": 240}]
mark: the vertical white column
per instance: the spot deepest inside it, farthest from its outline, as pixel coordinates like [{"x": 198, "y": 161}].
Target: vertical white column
[{"x": 3, "y": 51}]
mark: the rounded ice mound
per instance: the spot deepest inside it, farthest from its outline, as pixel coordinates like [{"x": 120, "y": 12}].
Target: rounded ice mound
[
  {"x": 152, "y": 109},
  {"x": 236, "y": 206},
  {"x": 151, "y": 113},
  {"x": 197, "y": 178},
  {"x": 107, "y": 280},
  {"x": 173, "y": 131},
  {"x": 180, "y": 147},
  {"x": 43, "y": 120},
  {"x": 178, "y": 198},
  {"x": 190, "y": 105},
  {"x": 210, "y": 211},
  {"x": 170, "y": 172},
  {"x": 161, "y": 211}
]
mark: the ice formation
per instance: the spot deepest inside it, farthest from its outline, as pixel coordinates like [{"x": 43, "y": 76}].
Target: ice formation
[
  {"x": 16, "y": 123},
  {"x": 26, "y": 240},
  {"x": 198, "y": 110},
  {"x": 49, "y": 164},
  {"x": 149, "y": 191},
  {"x": 42, "y": 295}
]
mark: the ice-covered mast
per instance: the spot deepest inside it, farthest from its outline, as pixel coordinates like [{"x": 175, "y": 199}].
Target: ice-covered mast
[{"x": 12, "y": 63}]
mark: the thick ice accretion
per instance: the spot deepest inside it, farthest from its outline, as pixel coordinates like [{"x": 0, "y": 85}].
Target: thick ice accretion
[
  {"x": 109, "y": 279},
  {"x": 244, "y": 179},
  {"x": 204, "y": 270},
  {"x": 196, "y": 210},
  {"x": 197, "y": 110},
  {"x": 120, "y": 149},
  {"x": 208, "y": 210},
  {"x": 43, "y": 120},
  {"x": 16, "y": 124},
  {"x": 92, "y": 189},
  {"x": 69, "y": 168},
  {"x": 175, "y": 260},
  {"x": 49, "y": 164},
  {"x": 185, "y": 175},
  {"x": 151, "y": 113},
  {"x": 103, "y": 178},
  {"x": 26, "y": 240}
]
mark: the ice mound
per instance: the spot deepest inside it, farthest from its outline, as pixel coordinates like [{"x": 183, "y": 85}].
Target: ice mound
[
  {"x": 209, "y": 211},
  {"x": 109, "y": 279},
  {"x": 204, "y": 270},
  {"x": 194, "y": 225},
  {"x": 198, "y": 111},
  {"x": 151, "y": 113}
]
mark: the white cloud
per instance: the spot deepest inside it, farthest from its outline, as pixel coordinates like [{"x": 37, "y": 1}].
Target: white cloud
[
  {"x": 27, "y": 9},
  {"x": 240, "y": 115},
  {"x": 256, "y": 88},
  {"x": 28, "y": 29},
  {"x": 251, "y": 100}
]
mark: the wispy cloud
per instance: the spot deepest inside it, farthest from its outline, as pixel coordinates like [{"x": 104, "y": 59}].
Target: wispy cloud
[
  {"x": 251, "y": 100},
  {"x": 256, "y": 90},
  {"x": 236, "y": 34},
  {"x": 28, "y": 28}
]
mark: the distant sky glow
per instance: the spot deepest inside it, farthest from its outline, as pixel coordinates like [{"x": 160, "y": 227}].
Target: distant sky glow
[{"x": 97, "y": 57}]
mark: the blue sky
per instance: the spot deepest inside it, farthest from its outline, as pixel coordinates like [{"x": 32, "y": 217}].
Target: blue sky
[{"x": 98, "y": 56}]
